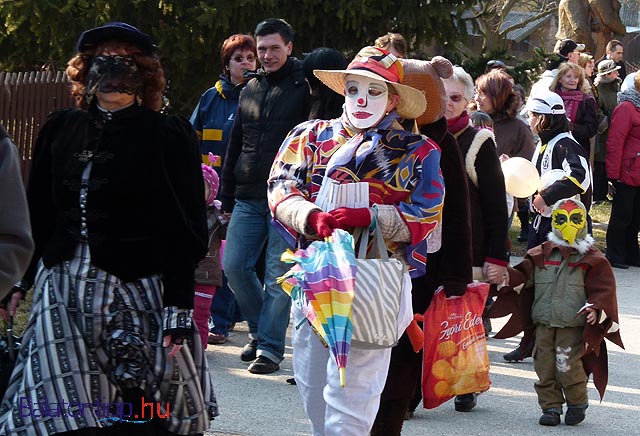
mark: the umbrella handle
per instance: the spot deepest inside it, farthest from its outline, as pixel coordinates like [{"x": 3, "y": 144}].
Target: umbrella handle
[{"x": 343, "y": 377}]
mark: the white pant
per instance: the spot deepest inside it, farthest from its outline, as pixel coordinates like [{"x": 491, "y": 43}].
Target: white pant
[{"x": 334, "y": 410}]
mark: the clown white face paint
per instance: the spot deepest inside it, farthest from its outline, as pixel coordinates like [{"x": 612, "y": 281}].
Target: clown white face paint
[{"x": 366, "y": 101}]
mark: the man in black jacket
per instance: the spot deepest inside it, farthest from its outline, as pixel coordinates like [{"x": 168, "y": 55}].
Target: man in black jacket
[
  {"x": 615, "y": 52},
  {"x": 274, "y": 101}
]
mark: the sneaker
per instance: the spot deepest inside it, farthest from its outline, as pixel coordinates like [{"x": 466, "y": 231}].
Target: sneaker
[
  {"x": 249, "y": 351},
  {"x": 549, "y": 418},
  {"x": 518, "y": 354},
  {"x": 574, "y": 416},
  {"x": 465, "y": 403},
  {"x": 263, "y": 365},
  {"x": 217, "y": 338}
]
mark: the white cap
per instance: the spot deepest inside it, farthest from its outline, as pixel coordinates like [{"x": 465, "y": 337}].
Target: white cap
[{"x": 545, "y": 102}]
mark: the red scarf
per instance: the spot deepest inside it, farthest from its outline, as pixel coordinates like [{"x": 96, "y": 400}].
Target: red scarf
[
  {"x": 459, "y": 123},
  {"x": 571, "y": 101}
]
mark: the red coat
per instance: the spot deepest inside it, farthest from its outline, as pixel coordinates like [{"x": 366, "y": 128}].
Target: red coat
[{"x": 623, "y": 145}]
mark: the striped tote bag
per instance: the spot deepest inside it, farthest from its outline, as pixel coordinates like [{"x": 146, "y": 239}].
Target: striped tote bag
[{"x": 377, "y": 295}]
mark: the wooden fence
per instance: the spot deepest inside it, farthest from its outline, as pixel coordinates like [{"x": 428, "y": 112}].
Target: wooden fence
[{"x": 25, "y": 101}]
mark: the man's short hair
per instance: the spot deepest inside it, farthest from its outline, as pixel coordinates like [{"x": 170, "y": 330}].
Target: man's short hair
[
  {"x": 275, "y": 25},
  {"x": 613, "y": 45}
]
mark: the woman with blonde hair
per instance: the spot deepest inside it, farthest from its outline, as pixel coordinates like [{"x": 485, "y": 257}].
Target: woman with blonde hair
[{"x": 579, "y": 104}]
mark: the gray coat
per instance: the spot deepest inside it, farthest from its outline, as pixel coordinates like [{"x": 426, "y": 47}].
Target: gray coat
[{"x": 16, "y": 244}]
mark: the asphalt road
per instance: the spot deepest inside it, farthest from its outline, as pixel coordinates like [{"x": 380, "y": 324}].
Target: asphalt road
[{"x": 264, "y": 405}]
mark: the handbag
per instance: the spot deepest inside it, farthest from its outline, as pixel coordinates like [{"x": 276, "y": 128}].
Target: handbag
[
  {"x": 377, "y": 301},
  {"x": 455, "y": 360}
]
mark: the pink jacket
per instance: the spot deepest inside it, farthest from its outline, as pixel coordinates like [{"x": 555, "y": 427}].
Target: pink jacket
[{"x": 623, "y": 145}]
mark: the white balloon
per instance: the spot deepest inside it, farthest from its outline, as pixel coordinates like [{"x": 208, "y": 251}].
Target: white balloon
[{"x": 521, "y": 177}]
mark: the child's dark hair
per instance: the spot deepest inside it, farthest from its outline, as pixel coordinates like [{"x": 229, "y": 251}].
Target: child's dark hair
[
  {"x": 553, "y": 125},
  {"x": 481, "y": 119}
]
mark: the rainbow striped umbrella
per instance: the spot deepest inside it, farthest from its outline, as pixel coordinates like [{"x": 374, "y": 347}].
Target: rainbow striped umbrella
[{"x": 323, "y": 280}]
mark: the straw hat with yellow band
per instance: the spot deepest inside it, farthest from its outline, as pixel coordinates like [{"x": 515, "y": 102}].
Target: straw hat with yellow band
[{"x": 377, "y": 63}]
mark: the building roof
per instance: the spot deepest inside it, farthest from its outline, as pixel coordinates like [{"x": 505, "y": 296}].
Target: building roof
[
  {"x": 519, "y": 34},
  {"x": 630, "y": 15}
]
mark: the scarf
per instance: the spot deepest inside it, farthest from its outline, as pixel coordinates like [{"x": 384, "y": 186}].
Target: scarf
[
  {"x": 459, "y": 123},
  {"x": 605, "y": 79},
  {"x": 630, "y": 95},
  {"x": 359, "y": 143},
  {"x": 571, "y": 101}
]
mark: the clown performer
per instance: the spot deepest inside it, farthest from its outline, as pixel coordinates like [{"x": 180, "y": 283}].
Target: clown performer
[
  {"x": 569, "y": 296},
  {"x": 365, "y": 145}
]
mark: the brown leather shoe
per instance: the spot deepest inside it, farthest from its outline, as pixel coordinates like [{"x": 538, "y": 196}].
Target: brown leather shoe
[{"x": 217, "y": 338}]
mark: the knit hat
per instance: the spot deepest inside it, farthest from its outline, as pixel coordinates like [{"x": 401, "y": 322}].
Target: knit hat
[
  {"x": 493, "y": 64},
  {"x": 211, "y": 177},
  {"x": 426, "y": 77},
  {"x": 377, "y": 63},
  {"x": 607, "y": 66},
  {"x": 545, "y": 102},
  {"x": 118, "y": 31}
]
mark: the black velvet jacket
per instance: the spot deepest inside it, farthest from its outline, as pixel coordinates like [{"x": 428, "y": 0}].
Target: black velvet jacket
[
  {"x": 270, "y": 106},
  {"x": 145, "y": 203}
]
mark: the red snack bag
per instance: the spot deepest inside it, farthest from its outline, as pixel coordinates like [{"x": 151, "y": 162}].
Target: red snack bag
[{"x": 456, "y": 360}]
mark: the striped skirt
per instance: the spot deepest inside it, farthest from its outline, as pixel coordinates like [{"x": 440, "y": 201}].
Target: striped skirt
[{"x": 89, "y": 341}]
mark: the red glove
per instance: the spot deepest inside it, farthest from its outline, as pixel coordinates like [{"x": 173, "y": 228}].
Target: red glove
[
  {"x": 322, "y": 223},
  {"x": 349, "y": 217}
]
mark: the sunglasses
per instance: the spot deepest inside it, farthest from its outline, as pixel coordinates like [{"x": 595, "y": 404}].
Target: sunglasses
[
  {"x": 239, "y": 58},
  {"x": 456, "y": 98}
]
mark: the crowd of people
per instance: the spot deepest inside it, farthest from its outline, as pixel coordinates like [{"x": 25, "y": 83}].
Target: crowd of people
[{"x": 122, "y": 309}]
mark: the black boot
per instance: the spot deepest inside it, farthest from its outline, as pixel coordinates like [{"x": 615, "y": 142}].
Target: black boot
[
  {"x": 575, "y": 415},
  {"x": 523, "y": 216},
  {"x": 549, "y": 417},
  {"x": 466, "y": 402},
  {"x": 522, "y": 352}
]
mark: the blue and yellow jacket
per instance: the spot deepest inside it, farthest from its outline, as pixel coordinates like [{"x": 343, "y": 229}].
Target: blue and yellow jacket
[{"x": 213, "y": 119}]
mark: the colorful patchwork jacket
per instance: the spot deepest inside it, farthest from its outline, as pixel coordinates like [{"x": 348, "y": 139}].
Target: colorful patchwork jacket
[{"x": 402, "y": 170}]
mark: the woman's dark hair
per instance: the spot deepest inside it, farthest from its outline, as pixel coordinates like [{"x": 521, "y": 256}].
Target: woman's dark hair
[
  {"x": 327, "y": 104},
  {"x": 548, "y": 126},
  {"x": 497, "y": 85},
  {"x": 233, "y": 43},
  {"x": 275, "y": 25},
  {"x": 149, "y": 66}
]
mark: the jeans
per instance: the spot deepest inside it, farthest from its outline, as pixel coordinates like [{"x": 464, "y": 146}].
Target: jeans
[
  {"x": 266, "y": 308},
  {"x": 224, "y": 310}
]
